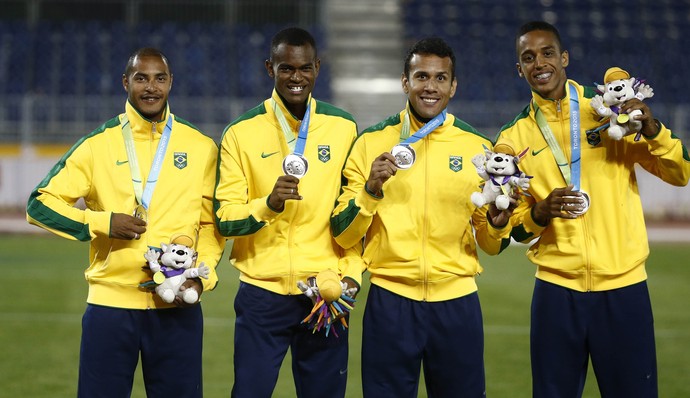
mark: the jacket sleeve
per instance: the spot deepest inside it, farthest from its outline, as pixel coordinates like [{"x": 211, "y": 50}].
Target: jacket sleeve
[
  {"x": 210, "y": 244},
  {"x": 491, "y": 240},
  {"x": 355, "y": 207},
  {"x": 51, "y": 204},
  {"x": 235, "y": 214},
  {"x": 351, "y": 264},
  {"x": 523, "y": 227},
  {"x": 664, "y": 156}
]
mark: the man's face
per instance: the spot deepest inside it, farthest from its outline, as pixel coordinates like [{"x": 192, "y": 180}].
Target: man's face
[
  {"x": 148, "y": 85},
  {"x": 542, "y": 64},
  {"x": 294, "y": 70},
  {"x": 429, "y": 85}
]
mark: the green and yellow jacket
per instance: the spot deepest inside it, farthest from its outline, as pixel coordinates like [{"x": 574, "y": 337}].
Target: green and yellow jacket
[
  {"x": 96, "y": 169},
  {"x": 605, "y": 248},
  {"x": 420, "y": 234},
  {"x": 274, "y": 250}
]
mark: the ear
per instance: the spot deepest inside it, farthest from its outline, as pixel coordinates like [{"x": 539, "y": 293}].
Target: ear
[
  {"x": 565, "y": 58},
  {"x": 453, "y": 87},
  {"x": 519, "y": 69},
  {"x": 125, "y": 83},
  {"x": 521, "y": 155},
  {"x": 269, "y": 68},
  {"x": 164, "y": 247},
  {"x": 405, "y": 83},
  {"x": 601, "y": 88}
]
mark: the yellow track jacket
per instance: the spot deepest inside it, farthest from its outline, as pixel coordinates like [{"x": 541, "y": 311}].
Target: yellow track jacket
[
  {"x": 605, "y": 248},
  {"x": 420, "y": 235},
  {"x": 274, "y": 250},
  {"x": 96, "y": 169}
]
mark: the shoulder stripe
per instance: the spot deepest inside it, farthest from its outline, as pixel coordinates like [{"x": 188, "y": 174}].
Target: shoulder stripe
[
  {"x": 324, "y": 108},
  {"x": 462, "y": 125}
]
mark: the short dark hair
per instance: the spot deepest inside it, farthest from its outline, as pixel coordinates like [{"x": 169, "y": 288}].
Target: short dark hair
[
  {"x": 431, "y": 46},
  {"x": 293, "y": 36},
  {"x": 145, "y": 52},
  {"x": 538, "y": 25}
]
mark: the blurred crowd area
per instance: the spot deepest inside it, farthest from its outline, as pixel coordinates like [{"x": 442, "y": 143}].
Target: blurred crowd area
[{"x": 61, "y": 61}]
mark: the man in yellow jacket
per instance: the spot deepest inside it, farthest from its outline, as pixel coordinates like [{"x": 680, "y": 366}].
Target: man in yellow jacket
[
  {"x": 408, "y": 186},
  {"x": 590, "y": 297},
  {"x": 145, "y": 176},
  {"x": 279, "y": 175}
]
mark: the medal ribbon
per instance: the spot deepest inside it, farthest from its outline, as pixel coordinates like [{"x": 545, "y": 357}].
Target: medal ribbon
[
  {"x": 570, "y": 173},
  {"x": 295, "y": 146},
  {"x": 144, "y": 194},
  {"x": 406, "y": 139}
]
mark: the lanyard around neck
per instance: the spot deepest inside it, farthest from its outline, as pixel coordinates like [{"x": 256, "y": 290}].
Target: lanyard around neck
[
  {"x": 295, "y": 146},
  {"x": 406, "y": 138},
  {"x": 144, "y": 194},
  {"x": 571, "y": 173}
]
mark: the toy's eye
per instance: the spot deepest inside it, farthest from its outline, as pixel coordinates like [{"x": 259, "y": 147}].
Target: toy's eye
[{"x": 610, "y": 88}]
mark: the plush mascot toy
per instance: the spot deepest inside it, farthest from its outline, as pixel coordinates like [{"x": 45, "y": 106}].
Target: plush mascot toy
[
  {"x": 173, "y": 266},
  {"x": 333, "y": 299},
  {"x": 502, "y": 178},
  {"x": 619, "y": 87}
]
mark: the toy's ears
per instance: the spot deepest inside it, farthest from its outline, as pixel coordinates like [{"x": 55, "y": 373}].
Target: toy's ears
[
  {"x": 486, "y": 149},
  {"x": 521, "y": 155}
]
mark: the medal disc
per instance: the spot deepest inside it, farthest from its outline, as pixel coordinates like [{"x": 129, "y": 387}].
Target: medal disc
[
  {"x": 583, "y": 207},
  {"x": 140, "y": 212},
  {"x": 623, "y": 118},
  {"x": 295, "y": 165},
  {"x": 158, "y": 277},
  {"x": 404, "y": 156}
]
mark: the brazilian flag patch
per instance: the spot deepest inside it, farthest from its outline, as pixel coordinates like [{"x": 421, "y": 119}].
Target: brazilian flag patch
[
  {"x": 324, "y": 153},
  {"x": 455, "y": 163},
  {"x": 180, "y": 160}
]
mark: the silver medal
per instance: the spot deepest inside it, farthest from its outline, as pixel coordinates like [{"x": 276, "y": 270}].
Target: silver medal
[
  {"x": 583, "y": 207},
  {"x": 295, "y": 165},
  {"x": 404, "y": 156}
]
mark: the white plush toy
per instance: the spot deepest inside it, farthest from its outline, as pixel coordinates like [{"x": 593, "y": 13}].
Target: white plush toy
[
  {"x": 619, "y": 87},
  {"x": 499, "y": 170},
  {"x": 173, "y": 267}
]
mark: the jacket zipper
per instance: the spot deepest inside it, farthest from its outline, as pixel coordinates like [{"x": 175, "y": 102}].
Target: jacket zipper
[{"x": 425, "y": 270}]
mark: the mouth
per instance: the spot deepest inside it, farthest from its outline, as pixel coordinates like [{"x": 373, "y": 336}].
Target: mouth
[
  {"x": 296, "y": 89},
  {"x": 499, "y": 169},
  {"x": 430, "y": 101},
  {"x": 150, "y": 99},
  {"x": 543, "y": 77}
]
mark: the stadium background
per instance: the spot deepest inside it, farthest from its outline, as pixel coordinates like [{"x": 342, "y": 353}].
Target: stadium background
[{"x": 61, "y": 63}]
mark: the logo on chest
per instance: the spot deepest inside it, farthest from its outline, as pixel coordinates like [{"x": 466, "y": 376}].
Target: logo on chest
[
  {"x": 180, "y": 160},
  {"x": 324, "y": 153},
  {"x": 455, "y": 163}
]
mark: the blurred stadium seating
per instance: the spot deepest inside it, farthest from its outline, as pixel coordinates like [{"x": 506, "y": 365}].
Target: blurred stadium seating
[{"x": 59, "y": 78}]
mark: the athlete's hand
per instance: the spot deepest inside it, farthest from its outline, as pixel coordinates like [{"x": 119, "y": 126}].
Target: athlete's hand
[
  {"x": 382, "y": 169},
  {"x": 560, "y": 203},
  {"x": 124, "y": 226},
  {"x": 286, "y": 188}
]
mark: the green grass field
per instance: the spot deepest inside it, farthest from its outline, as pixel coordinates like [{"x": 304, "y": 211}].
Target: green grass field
[{"x": 43, "y": 300}]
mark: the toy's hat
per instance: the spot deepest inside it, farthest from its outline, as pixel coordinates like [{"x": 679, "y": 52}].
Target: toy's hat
[
  {"x": 329, "y": 285},
  {"x": 615, "y": 73},
  {"x": 505, "y": 145},
  {"x": 181, "y": 239}
]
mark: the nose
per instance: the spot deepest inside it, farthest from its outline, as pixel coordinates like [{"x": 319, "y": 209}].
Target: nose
[
  {"x": 498, "y": 159},
  {"x": 618, "y": 88},
  {"x": 296, "y": 76},
  {"x": 180, "y": 252}
]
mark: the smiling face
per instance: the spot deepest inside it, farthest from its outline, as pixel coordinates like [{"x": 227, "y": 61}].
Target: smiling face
[
  {"x": 294, "y": 70},
  {"x": 429, "y": 84},
  {"x": 542, "y": 63},
  {"x": 148, "y": 84}
]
